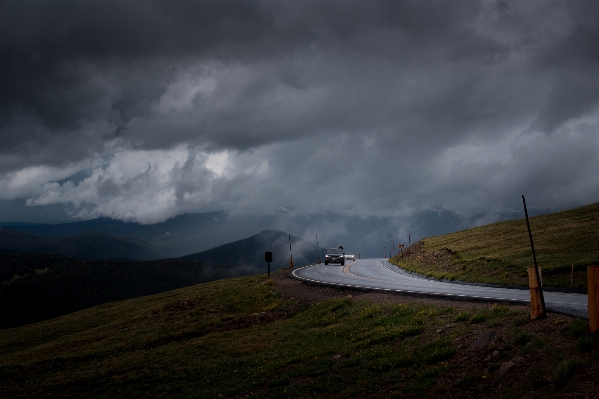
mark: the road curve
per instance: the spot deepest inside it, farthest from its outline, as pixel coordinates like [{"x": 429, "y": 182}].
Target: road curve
[{"x": 379, "y": 275}]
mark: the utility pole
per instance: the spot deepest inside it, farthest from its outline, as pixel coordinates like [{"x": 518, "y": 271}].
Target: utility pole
[
  {"x": 408, "y": 247},
  {"x": 317, "y": 249},
  {"x": 290, "y": 254}
]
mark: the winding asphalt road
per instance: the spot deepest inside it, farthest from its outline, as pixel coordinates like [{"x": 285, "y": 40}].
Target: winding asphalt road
[{"x": 379, "y": 275}]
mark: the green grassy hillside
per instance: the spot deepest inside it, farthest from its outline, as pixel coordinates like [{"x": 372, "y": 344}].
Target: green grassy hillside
[
  {"x": 501, "y": 253},
  {"x": 245, "y": 337}
]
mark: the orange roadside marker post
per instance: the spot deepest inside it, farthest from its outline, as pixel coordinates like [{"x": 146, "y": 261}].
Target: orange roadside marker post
[{"x": 537, "y": 307}]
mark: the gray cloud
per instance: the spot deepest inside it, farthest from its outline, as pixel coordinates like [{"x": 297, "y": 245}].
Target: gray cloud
[{"x": 360, "y": 109}]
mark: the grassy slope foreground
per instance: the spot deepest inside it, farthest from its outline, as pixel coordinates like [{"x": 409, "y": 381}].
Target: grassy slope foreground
[
  {"x": 248, "y": 337},
  {"x": 501, "y": 253}
]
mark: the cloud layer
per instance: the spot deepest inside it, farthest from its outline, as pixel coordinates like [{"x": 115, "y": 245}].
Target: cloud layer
[{"x": 144, "y": 110}]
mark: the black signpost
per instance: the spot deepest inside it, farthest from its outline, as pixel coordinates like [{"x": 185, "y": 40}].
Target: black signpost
[{"x": 268, "y": 259}]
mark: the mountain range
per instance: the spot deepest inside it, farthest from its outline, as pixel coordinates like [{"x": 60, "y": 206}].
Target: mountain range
[
  {"x": 248, "y": 252},
  {"x": 200, "y": 232},
  {"x": 175, "y": 237}
]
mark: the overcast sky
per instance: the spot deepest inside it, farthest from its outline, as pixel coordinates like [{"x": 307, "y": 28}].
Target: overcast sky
[{"x": 142, "y": 110}]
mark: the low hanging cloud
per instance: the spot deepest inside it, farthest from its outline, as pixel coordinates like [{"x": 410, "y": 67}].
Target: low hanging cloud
[
  {"x": 143, "y": 186},
  {"x": 144, "y": 110}
]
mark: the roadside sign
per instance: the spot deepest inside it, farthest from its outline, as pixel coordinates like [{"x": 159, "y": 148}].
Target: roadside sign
[{"x": 268, "y": 258}]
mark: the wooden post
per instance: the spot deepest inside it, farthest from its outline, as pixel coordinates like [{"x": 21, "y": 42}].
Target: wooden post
[
  {"x": 536, "y": 304},
  {"x": 593, "y": 279},
  {"x": 538, "y": 284}
]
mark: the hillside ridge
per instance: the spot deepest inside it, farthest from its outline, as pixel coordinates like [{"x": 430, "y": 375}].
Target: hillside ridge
[
  {"x": 250, "y": 251},
  {"x": 566, "y": 242}
]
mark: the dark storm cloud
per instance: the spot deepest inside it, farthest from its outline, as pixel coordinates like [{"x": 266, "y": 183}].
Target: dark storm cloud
[
  {"x": 392, "y": 105},
  {"x": 73, "y": 63},
  {"x": 68, "y": 64}
]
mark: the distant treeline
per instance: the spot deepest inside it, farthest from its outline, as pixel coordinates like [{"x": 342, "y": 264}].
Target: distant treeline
[{"x": 36, "y": 287}]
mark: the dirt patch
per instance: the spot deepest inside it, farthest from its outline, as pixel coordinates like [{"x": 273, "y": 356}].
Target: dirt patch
[{"x": 439, "y": 260}]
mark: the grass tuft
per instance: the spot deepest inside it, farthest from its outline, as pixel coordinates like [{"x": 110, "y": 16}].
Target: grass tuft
[
  {"x": 565, "y": 370},
  {"x": 576, "y": 330}
]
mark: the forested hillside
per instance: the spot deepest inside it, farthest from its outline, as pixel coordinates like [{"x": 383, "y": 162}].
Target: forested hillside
[
  {"x": 36, "y": 287},
  {"x": 88, "y": 245}
]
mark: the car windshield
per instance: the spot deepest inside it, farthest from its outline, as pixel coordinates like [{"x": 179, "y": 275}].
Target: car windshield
[
  {"x": 334, "y": 251},
  {"x": 349, "y": 253}
]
